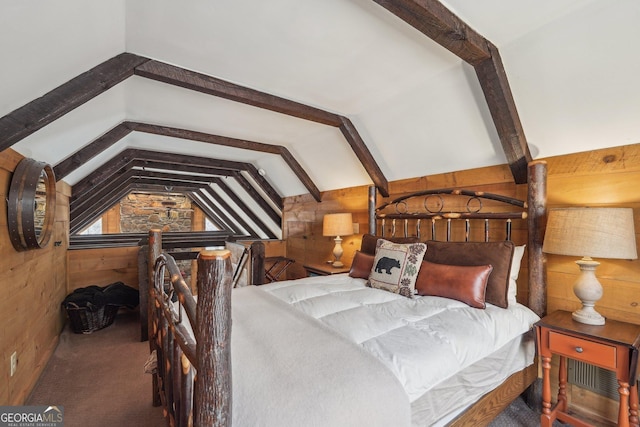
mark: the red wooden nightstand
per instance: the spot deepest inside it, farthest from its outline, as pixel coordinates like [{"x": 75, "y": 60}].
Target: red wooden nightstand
[{"x": 613, "y": 346}]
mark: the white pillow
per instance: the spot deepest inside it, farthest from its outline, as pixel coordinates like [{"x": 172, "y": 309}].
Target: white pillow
[{"x": 512, "y": 293}]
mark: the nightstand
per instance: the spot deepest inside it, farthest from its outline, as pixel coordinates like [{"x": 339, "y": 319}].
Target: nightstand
[
  {"x": 613, "y": 346},
  {"x": 324, "y": 269}
]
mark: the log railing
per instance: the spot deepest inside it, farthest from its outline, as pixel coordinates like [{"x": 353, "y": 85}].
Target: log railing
[{"x": 189, "y": 399}]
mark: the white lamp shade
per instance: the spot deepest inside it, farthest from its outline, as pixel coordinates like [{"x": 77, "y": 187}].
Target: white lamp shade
[
  {"x": 338, "y": 224},
  {"x": 591, "y": 232}
]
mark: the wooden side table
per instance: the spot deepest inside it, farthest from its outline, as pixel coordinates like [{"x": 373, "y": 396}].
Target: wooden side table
[
  {"x": 324, "y": 269},
  {"x": 613, "y": 346}
]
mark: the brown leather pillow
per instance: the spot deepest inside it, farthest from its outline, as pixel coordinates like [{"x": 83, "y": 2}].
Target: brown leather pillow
[
  {"x": 497, "y": 254},
  {"x": 369, "y": 241},
  {"x": 463, "y": 283},
  {"x": 361, "y": 265}
]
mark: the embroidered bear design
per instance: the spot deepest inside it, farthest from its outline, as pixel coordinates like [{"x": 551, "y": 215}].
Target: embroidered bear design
[{"x": 386, "y": 264}]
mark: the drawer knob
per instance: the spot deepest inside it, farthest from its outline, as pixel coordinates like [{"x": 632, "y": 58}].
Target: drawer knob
[{"x": 579, "y": 350}]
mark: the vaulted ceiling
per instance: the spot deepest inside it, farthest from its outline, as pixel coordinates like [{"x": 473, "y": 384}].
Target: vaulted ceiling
[{"x": 286, "y": 97}]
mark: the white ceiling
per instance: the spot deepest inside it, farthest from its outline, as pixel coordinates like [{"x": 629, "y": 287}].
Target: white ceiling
[{"x": 573, "y": 67}]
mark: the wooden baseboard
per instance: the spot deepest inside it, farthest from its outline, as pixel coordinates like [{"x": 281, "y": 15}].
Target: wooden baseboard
[{"x": 491, "y": 404}]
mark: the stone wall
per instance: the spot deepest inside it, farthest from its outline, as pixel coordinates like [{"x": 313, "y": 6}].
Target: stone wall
[
  {"x": 141, "y": 211},
  {"x": 170, "y": 212}
]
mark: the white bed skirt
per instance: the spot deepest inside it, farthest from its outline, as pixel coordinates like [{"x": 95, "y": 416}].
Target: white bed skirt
[{"x": 454, "y": 396}]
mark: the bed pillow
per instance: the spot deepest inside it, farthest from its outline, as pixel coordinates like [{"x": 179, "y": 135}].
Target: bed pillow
[
  {"x": 518, "y": 252},
  {"x": 497, "y": 254},
  {"x": 463, "y": 283},
  {"x": 369, "y": 242},
  {"x": 361, "y": 265},
  {"x": 395, "y": 266}
]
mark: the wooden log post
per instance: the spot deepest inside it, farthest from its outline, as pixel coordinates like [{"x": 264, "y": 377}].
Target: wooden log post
[
  {"x": 155, "y": 249},
  {"x": 143, "y": 288},
  {"x": 257, "y": 263},
  {"x": 537, "y": 218},
  {"x": 186, "y": 392},
  {"x": 213, "y": 335},
  {"x": 372, "y": 209}
]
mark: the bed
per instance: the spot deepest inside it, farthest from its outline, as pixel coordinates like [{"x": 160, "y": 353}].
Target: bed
[{"x": 349, "y": 350}]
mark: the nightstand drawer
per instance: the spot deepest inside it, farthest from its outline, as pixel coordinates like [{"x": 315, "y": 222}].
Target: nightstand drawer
[{"x": 581, "y": 349}]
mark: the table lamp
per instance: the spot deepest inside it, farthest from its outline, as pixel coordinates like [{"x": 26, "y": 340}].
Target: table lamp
[
  {"x": 590, "y": 232},
  {"x": 338, "y": 224}
]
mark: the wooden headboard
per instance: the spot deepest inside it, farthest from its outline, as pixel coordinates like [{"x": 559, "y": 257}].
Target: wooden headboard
[{"x": 454, "y": 214}]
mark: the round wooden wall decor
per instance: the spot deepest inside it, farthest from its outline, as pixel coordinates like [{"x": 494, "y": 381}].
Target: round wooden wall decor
[{"x": 31, "y": 205}]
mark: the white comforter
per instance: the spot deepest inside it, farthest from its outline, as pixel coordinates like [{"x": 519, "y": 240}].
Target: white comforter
[
  {"x": 291, "y": 370},
  {"x": 422, "y": 341},
  {"x": 361, "y": 357}
]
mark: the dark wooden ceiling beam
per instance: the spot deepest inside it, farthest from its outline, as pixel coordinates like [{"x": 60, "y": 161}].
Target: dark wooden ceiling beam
[
  {"x": 222, "y": 207},
  {"x": 205, "y": 206},
  {"x": 38, "y": 113},
  {"x": 243, "y": 207},
  {"x": 497, "y": 93},
  {"x": 89, "y": 151},
  {"x": 97, "y": 146},
  {"x": 81, "y": 204},
  {"x": 113, "y": 167},
  {"x": 119, "y": 161},
  {"x": 246, "y": 185},
  {"x": 202, "y": 137},
  {"x": 168, "y": 176},
  {"x": 27, "y": 119},
  {"x": 217, "y": 222},
  {"x": 168, "y": 183},
  {"x": 121, "y": 165},
  {"x": 433, "y": 19},
  {"x": 87, "y": 215},
  {"x": 203, "y": 83},
  {"x": 364, "y": 155},
  {"x": 297, "y": 169},
  {"x": 180, "y": 169}
]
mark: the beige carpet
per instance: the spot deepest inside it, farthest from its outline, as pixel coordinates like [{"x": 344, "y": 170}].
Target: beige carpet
[{"x": 99, "y": 378}]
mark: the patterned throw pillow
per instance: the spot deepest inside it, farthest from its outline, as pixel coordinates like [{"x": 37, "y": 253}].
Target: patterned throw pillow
[{"x": 395, "y": 267}]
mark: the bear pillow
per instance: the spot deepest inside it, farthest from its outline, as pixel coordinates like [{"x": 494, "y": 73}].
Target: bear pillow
[{"x": 395, "y": 267}]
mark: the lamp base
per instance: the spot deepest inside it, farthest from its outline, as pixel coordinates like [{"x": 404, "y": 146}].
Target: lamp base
[
  {"x": 589, "y": 317},
  {"x": 588, "y": 290},
  {"x": 337, "y": 252}
]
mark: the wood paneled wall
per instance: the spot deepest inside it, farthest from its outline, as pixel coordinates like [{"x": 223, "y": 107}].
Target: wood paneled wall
[
  {"x": 611, "y": 178},
  {"x": 103, "y": 266},
  {"x": 33, "y": 286}
]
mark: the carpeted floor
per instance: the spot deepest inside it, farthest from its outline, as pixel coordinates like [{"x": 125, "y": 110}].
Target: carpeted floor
[
  {"x": 517, "y": 414},
  {"x": 99, "y": 380}
]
